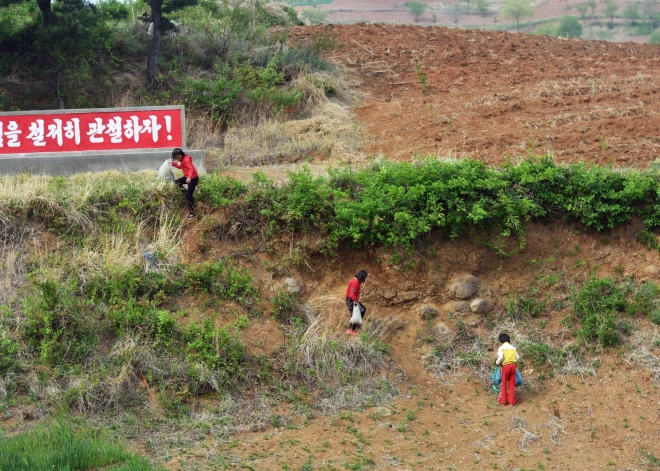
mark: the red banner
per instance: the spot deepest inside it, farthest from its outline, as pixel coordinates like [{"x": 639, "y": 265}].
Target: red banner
[{"x": 100, "y": 130}]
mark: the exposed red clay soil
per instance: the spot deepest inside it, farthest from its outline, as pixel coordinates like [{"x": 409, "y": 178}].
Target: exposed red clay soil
[
  {"x": 491, "y": 95},
  {"x": 562, "y": 422}
]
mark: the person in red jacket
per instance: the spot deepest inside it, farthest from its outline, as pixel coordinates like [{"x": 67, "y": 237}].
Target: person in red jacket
[
  {"x": 184, "y": 162},
  {"x": 353, "y": 297}
]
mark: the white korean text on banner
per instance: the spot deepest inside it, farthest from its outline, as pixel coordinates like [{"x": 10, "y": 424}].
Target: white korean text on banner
[{"x": 82, "y": 130}]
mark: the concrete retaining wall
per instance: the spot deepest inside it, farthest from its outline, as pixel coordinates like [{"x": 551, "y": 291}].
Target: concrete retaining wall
[{"x": 71, "y": 163}]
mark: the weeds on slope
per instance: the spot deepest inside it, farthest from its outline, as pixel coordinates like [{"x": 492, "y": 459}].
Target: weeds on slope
[
  {"x": 347, "y": 373},
  {"x": 452, "y": 351}
]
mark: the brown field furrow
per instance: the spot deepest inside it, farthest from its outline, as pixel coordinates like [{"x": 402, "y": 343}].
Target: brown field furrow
[{"x": 493, "y": 95}]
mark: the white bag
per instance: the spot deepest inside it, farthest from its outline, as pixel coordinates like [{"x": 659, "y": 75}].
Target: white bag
[
  {"x": 165, "y": 171},
  {"x": 356, "y": 318}
]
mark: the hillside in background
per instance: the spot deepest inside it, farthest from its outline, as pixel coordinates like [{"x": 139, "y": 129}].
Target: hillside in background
[
  {"x": 611, "y": 20},
  {"x": 487, "y": 181}
]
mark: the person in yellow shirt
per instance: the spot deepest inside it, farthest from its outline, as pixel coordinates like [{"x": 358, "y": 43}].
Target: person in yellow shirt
[{"x": 507, "y": 357}]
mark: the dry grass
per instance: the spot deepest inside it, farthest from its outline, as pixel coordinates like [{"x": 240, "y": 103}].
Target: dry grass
[
  {"x": 350, "y": 372},
  {"x": 556, "y": 427},
  {"x": 566, "y": 362},
  {"x": 643, "y": 352},
  {"x": 13, "y": 257},
  {"x": 323, "y": 128},
  {"x": 528, "y": 438}
]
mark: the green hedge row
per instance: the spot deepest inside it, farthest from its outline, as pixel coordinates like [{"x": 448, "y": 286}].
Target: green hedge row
[{"x": 395, "y": 203}]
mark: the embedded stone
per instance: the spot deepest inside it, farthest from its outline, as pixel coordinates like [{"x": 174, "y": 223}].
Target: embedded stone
[
  {"x": 464, "y": 287},
  {"x": 652, "y": 270},
  {"x": 428, "y": 312},
  {"x": 481, "y": 306},
  {"x": 457, "y": 307},
  {"x": 443, "y": 332},
  {"x": 292, "y": 286},
  {"x": 407, "y": 296}
]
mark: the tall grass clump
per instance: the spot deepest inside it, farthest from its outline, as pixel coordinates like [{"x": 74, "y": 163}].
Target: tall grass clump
[
  {"x": 346, "y": 373},
  {"x": 60, "y": 446}
]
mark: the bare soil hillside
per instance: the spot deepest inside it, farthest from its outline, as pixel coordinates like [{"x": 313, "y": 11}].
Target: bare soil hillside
[
  {"x": 605, "y": 416},
  {"x": 492, "y": 95}
]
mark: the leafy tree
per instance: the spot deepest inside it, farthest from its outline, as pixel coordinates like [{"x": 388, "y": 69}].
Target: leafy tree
[
  {"x": 517, "y": 9},
  {"x": 649, "y": 11},
  {"x": 654, "y": 38},
  {"x": 313, "y": 16},
  {"x": 570, "y": 27},
  {"x": 582, "y": 9},
  {"x": 416, "y": 8},
  {"x": 455, "y": 13},
  {"x": 592, "y": 4},
  {"x": 160, "y": 22},
  {"x": 632, "y": 12},
  {"x": 482, "y": 7},
  {"x": 611, "y": 7}
]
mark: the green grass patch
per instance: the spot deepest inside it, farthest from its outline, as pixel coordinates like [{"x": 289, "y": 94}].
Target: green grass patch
[{"x": 61, "y": 447}]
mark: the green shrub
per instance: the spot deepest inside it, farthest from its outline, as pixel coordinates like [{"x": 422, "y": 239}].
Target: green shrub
[
  {"x": 221, "y": 190},
  {"x": 285, "y": 305},
  {"x": 654, "y": 315},
  {"x": 118, "y": 286},
  {"x": 57, "y": 324},
  {"x": 8, "y": 353},
  {"x": 396, "y": 203},
  {"x": 148, "y": 322},
  {"x": 223, "y": 280},
  {"x": 654, "y": 38},
  {"x": 548, "y": 29},
  {"x": 525, "y": 306},
  {"x": 600, "y": 303},
  {"x": 219, "y": 349},
  {"x": 219, "y": 96},
  {"x": 540, "y": 354},
  {"x": 570, "y": 27}
]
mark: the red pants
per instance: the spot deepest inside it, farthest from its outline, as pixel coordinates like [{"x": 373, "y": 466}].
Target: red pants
[{"x": 507, "y": 391}]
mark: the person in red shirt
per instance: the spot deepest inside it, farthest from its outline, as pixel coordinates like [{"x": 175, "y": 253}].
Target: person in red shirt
[
  {"x": 184, "y": 162},
  {"x": 353, "y": 297}
]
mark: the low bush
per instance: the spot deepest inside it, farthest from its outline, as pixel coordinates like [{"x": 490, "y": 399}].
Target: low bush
[
  {"x": 570, "y": 27},
  {"x": 285, "y": 305},
  {"x": 222, "y": 279},
  {"x": 600, "y": 304},
  {"x": 58, "y": 327},
  {"x": 144, "y": 321},
  {"x": 220, "y": 190},
  {"x": 526, "y": 305},
  {"x": 8, "y": 353},
  {"x": 219, "y": 349}
]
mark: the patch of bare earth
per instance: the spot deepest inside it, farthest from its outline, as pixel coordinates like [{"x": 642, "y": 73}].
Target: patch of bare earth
[{"x": 494, "y": 95}]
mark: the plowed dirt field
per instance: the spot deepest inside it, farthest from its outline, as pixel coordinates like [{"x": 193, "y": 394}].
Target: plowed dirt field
[{"x": 495, "y": 95}]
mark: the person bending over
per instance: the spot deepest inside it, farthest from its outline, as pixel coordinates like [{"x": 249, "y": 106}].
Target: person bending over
[
  {"x": 353, "y": 297},
  {"x": 184, "y": 162}
]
